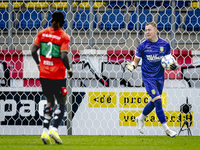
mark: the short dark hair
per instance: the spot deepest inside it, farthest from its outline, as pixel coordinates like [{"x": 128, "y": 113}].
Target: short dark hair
[
  {"x": 58, "y": 17},
  {"x": 152, "y": 23}
]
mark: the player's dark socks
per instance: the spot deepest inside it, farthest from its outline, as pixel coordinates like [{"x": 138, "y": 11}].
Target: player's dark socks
[
  {"x": 148, "y": 108},
  {"x": 47, "y": 117},
  {"x": 159, "y": 110},
  {"x": 58, "y": 115}
]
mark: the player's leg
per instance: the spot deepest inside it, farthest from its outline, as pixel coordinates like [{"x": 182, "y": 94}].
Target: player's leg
[
  {"x": 159, "y": 110},
  {"x": 161, "y": 116},
  {"x": 140, "y": 119},
  {"x": 48, "y": 110},
  {"x": 148, "y": 108},
  {"x": 46, "y": 122},
  {"x": 59, "y": 111},
  {"x": 58, "y": 116}
]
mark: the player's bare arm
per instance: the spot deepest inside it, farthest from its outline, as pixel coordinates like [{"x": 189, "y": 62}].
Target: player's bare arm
[
  {"x": 34, "y": 54},
  {"x": 65, "y": 61}
]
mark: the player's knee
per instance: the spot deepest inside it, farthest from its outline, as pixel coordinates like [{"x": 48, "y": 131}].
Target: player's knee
[
  {"x": 158, "y": 104},
  {"x": 155, "y": 98}
]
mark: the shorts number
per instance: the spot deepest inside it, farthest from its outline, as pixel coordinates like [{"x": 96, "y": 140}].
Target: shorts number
[{"x": 50, "y": 50}]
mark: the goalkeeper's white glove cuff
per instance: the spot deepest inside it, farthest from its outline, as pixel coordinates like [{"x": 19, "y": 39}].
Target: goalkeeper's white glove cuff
[{"x": 132, "y": 63}]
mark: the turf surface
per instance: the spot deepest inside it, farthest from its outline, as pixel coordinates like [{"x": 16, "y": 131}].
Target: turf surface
[{"x": 33, "y": 142}]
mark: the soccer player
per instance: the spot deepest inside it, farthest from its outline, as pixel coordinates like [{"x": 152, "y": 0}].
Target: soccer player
[
  {"x": 53, "y": 43},
  {"x": 151, "y": 52}
]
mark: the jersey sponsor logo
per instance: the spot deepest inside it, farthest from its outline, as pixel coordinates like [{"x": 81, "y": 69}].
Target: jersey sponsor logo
[
  {"x": 137, "y": 99},
  {"x": 173, "y": 118},
  {"x": 51, "y": 36},
  {"x": 102, "y": 99},
  {"x": 48, "y": 63},
  {"x": 154, "y": 58}
]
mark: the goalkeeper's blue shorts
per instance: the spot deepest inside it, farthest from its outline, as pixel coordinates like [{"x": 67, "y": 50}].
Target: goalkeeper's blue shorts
[{"x": 154, "y": 87}]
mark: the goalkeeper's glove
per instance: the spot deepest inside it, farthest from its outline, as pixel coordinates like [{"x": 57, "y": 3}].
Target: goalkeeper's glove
[
  {"x": 130, "y": 66},
  {"x": 174, "y": 66}
]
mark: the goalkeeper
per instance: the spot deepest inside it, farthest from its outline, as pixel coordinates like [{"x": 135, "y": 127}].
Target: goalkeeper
[
  {"x": 151, "y": 52},
  {"x": 53, "y": 43}
]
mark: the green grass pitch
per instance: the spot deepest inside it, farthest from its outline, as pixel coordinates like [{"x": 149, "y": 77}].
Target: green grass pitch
[{"x": 101, "y": 142}]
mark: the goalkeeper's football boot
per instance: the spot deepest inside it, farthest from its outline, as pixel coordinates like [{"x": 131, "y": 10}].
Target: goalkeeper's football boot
[
  {"x": 170, "y": 133},
  {"x": 45, "y": 138},
  {"x": 140, "y": 124},
  {"x": 54, "y": 135}
]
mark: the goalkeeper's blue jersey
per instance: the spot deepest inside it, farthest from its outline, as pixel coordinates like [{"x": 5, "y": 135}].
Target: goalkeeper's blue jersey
[{"x": 151, "y": 54}]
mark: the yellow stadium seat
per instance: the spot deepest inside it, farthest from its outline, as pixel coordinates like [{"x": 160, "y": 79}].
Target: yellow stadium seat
[
  {"x": 61, "y": 5},
  {"x": 195, "y": 4},
  {"x": 4, "y": 5},
  {"x": 86, "y": 5},
  {"x": 45, "y": 4},
  {"x": 75, "y": 4},
  {"x": 32, "y": 5},
  {"x": 17, "y": 4},
  {"x": 99, "y": 4}
]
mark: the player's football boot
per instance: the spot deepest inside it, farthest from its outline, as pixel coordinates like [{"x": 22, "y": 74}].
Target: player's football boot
[
  {"x": 45, "y": 138},
  {"x": 140, "y": 124},
  {"x": 170, "y": 133},
  {"x": 54, "y": 135}
]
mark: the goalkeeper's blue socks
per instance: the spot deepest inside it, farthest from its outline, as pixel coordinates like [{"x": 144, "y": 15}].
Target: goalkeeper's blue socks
[
  {"x": 159, "y": 111},
  {"x": 58, "y": 115},
  {"x": 148, "y": 108}
]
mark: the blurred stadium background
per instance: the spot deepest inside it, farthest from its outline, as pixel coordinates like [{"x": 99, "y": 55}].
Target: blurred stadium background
[{"x": 103, "y": 97}]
